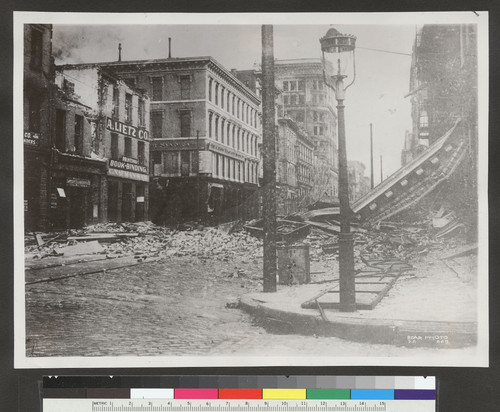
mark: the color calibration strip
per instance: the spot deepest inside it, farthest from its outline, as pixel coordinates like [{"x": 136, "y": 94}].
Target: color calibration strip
[{"x": 277, "y": 388}]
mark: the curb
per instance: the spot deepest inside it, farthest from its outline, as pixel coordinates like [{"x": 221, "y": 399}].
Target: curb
[{"x": 433, "y": 334}]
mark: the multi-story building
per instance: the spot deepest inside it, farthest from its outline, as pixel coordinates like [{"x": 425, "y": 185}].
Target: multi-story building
[
  {"x": 101, "y": 165},
  {"x": 38, "y": 99},
  {"x": 294, "y": 167},
  {"x": 443, "y": 88},
  {"x": 205, "y": 130},
  {"x": 307, "y": 100},
  {"x": 443, "y": 83},
  {"x": 358, "y": 183}
]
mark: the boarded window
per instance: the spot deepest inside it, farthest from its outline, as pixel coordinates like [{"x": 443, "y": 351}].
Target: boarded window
[{"x": 186, "y": 123}]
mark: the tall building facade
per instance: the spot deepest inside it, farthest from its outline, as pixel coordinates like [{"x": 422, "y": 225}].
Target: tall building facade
[
  {"x": 205, "y": 127},
  {"x": 309, "y": 102},
  {"x": 443, "y": 89},
  {"x": 38, "y": 96},
  {"x": 101, "y": 147},
  {"x": 294, "y": 167},
  {"x": 443, "y": 83}
]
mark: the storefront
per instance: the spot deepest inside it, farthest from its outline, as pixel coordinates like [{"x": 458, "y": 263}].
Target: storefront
[
  {"x": 78, "y": 191},
  {"x": 128, "y": 191}
]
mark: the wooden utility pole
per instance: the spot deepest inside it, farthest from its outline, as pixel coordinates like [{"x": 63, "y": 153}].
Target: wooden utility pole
[
  {"x": 269, "y": 159},
  {"x": 371, "y": 157}
]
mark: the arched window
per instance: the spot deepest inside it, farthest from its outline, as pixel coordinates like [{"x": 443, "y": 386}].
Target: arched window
[
  {"x": 210, "y": 124},
  {"x": 210, "y": 84}
]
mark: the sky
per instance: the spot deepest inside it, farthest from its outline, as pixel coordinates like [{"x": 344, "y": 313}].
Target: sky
[{"x": 377, "y": 95}]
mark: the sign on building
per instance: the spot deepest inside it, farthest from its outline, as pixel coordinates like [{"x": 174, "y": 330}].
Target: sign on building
[{"x": 126, "y": 129}]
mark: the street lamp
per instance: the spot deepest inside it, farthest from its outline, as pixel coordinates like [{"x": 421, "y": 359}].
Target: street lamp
[{"x": 338, "y": 54}]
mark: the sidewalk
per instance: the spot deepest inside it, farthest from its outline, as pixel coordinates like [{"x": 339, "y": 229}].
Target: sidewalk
[{"x": 434, "y": 306}]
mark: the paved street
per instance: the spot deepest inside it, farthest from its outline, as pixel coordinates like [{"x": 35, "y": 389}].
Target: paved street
[{"x": 175, "y": 306}]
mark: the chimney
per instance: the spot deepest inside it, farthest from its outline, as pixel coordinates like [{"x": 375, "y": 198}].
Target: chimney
[
  {"x": 169, "y": 47},
  {"x": 119, "y": 52}
]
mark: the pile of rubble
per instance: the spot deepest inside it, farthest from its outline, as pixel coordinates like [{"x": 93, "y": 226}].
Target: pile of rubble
[{"x": 145, "y": 240}]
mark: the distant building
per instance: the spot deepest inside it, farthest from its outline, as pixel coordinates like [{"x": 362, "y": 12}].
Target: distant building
[
  {"x": 310, "y": 103},
  {"x": 205, "y": 127},
  {"x": 37, "y": 102},
  {"x": 358, "y": 183},
  {"x": 294, "y": 170},
  {"x": 101, "y": 147}
]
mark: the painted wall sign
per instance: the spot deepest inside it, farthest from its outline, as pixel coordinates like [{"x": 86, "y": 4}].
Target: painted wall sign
[
  {"x": 130, "y": 160},
  {"x": 179, "y": 144},
  {"x": 31, "y": 139},
  {"x": 125, "y": 174},
  {"x": 126, "y": 129},
  {"x": 77, "y": 182},
  {"x": 119, "y": 164}
]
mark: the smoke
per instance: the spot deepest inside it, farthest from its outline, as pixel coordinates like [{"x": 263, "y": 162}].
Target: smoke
[{"x": 85, "y": 44}]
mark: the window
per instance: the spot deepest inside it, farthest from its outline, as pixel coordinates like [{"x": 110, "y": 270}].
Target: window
[
  {"x": 61, "y": 130},
  {"x": 185, "y": 163},
  {"x": 301, "y": 85},
  {"x": 157, "y": 124},
  {"x": 157, "y": 86},
  {"x": 36, "y": 49},
  {"x": 210, "y": 83},
  {"x": 222, "y": 97},
  {"x": 233, "y": 102},
  {"x": 216, "y": 127},
  {"x": 302, "y": 99},
  {"x": 116, "y": 103},
  {"x": 293, "y": 85},
  {"x": 156, "y": 157},
  {"x": 210, "y": 124},
  {"x": 293, "y": 99},
  {"x": 141, "y": 112},
  {"x": 222, "y": 139},
  {"x": 141, "y": 153},
  {"x": 34, "y": 113},
  {"x": 238, "y": 108},
  {"x": 227, "y": 100},
  {"x": 185, "y": 117},
  {"x": 128, "y": 147},
  {"x": 300, "y": 117},
  {"x": 216, "y": 93},
  {"x": 171, "y": 165},
  {"x": 114, "y": 146},
  {"x": 286, "y": 100},
  {"x": 285, "y": 86},
  {"x": 185, "y": 81},
  {"x": 79, "y": 134},
  {"x": 128, "y": 107}
]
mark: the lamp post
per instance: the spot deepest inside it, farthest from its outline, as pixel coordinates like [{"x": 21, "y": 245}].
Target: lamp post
[{"x": 338, "y": 51}]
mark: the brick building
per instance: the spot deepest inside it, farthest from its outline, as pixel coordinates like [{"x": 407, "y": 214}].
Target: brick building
[
  {"x": 101, "y": 147},
  {"x": 205, "y": 127},
  {"x": 38, "y": 95}
]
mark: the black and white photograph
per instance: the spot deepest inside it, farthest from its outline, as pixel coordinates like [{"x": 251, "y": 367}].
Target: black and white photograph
[{"x": 250, "y": 189}]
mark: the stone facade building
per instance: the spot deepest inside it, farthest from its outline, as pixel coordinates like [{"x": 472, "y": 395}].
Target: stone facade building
[
  {"x": 205, "y": 127},
  {"x": 294, "y": 167},
  {"x": 310, "y": 103},
  {"x": 101, "y": 145}
]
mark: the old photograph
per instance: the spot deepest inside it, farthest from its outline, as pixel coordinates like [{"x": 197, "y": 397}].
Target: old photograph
[{"x": 250, "y": 190}]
